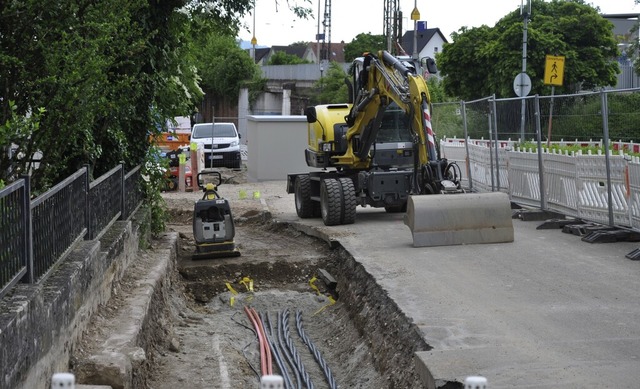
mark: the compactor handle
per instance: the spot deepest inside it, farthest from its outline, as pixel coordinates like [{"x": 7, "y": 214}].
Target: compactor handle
[{"x": 217, "y": 180}]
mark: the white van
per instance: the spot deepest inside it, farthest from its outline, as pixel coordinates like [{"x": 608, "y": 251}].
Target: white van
[{"x": 220, "y": 142}]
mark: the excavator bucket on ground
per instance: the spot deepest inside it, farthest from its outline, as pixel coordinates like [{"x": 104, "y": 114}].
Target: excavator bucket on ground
[{"x": 470, "y": 218}]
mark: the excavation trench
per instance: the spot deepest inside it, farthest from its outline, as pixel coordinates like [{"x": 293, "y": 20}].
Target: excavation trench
[{"x": 363, "y": 340}]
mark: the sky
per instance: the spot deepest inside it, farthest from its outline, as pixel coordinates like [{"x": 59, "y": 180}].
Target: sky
[{"x": 278, "y": 26}]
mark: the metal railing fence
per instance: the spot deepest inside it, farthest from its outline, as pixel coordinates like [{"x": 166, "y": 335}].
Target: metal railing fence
[
  {"x": 58, "y": 220},
  {"x": 14, "y": 234},
  {"x": 106, "y": 199},
  {"x": 595, "y": 180},
  {"x": 37, "y": 234}
]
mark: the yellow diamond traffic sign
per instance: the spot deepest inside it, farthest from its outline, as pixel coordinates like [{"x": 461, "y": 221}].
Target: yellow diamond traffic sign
[{"x": 554, "y": 70}]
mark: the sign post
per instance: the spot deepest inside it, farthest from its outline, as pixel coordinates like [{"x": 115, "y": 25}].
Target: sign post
[{"x": 553, "y": 75}]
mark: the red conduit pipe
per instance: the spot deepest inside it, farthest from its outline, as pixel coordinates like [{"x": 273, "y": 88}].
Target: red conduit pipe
[
  {"x": 263, "y": 363},
  {"x": 266, "y": 343}
]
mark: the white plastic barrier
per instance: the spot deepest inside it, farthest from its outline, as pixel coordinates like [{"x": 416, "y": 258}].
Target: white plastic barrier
[
  {"x": 574, "y": 185},
  {"x": 560, "y": 179},
  {"x": 634, "y": 192},
  {"x": 593, "y": 202},
  {"x": 484, "y": 170},
  {"x": 524, "y": 178},
  {"x": 480, "y": 165}
]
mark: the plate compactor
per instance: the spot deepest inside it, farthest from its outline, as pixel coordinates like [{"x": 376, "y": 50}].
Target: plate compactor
[{"x": 213, "y": 228}]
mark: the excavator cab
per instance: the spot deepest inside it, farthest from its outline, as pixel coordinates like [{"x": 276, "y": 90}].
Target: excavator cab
[{"x": 393, "y": 147}]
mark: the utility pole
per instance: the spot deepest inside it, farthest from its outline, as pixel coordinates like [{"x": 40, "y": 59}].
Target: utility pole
[
  {"x": 254, "y": 41},
  {"x": 391, "y": 14},
  {"x": 326, "y": 44},
  {"x": 415, "y": 16},
  {"x": 318, "y": 36},
  {"x": 525, "y": 10}
]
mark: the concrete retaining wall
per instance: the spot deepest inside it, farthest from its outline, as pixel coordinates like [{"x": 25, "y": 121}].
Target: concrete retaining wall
[{"x": 40, "y": 324}]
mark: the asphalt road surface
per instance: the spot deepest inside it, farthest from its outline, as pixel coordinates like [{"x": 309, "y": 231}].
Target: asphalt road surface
[{"x": 546, "y": 311}]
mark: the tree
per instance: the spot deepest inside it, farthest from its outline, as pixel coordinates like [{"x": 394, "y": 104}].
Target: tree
[
  {"x": 484, "y": 60},
  {"x": 282, "y": 58},
  {"x": 437, "y": 91},
  {"x": 332, "y": 88},
  {"x": 364, "y": 43},
  {"x": 97, "y": 78},
  {"x": 634, "y": 47},
  {"x": 222, "y": 65}
]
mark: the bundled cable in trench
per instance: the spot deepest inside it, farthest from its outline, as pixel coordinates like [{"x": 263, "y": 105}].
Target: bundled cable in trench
[
  {"x": 276, "y": 351},
  {"x": 287, "y": 354},
  {"x": 306, "y": 379},
  {"x": 316, "y": 353}
]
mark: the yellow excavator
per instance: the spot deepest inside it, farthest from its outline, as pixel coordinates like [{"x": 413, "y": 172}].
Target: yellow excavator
[{"x": 380, "y": 150}]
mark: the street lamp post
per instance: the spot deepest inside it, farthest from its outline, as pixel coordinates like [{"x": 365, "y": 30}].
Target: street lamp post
[{"x": 254, "y": 41}]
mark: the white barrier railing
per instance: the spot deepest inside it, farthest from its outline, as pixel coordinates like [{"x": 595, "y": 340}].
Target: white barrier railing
[
  {"x": 593, "y": 191},
  {"x": 633, "y": 173},
  {"x": 575, "y": 185}
]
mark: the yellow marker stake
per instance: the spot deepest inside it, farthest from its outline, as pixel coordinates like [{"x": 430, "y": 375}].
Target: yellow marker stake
[
  {"x": 313, "y": 286},
  {"x": 233, "y": 291},
  {"x": 248, "y": 283},
  {"x": 331, "y": 302}
]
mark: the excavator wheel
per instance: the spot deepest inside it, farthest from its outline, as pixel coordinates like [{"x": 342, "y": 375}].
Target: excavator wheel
[
  {"x": 349, "y": 201},
  {"x": 330, "y": 201},
  {"x": 453, "y": 219},
  {"x": 305, "y": 207}
]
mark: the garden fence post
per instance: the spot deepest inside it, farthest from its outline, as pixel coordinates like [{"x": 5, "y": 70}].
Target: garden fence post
[
  {"x": 28, "y": 229},
  {"x": 87, "y": 201},
  {"x": 122, "y": 192}
]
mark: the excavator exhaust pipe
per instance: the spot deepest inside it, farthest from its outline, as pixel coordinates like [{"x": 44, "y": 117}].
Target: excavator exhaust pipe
[{"x": 470, "y": 218}]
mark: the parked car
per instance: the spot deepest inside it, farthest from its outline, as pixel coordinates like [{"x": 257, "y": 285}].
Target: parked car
[{"x": 220, "y": 142}]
